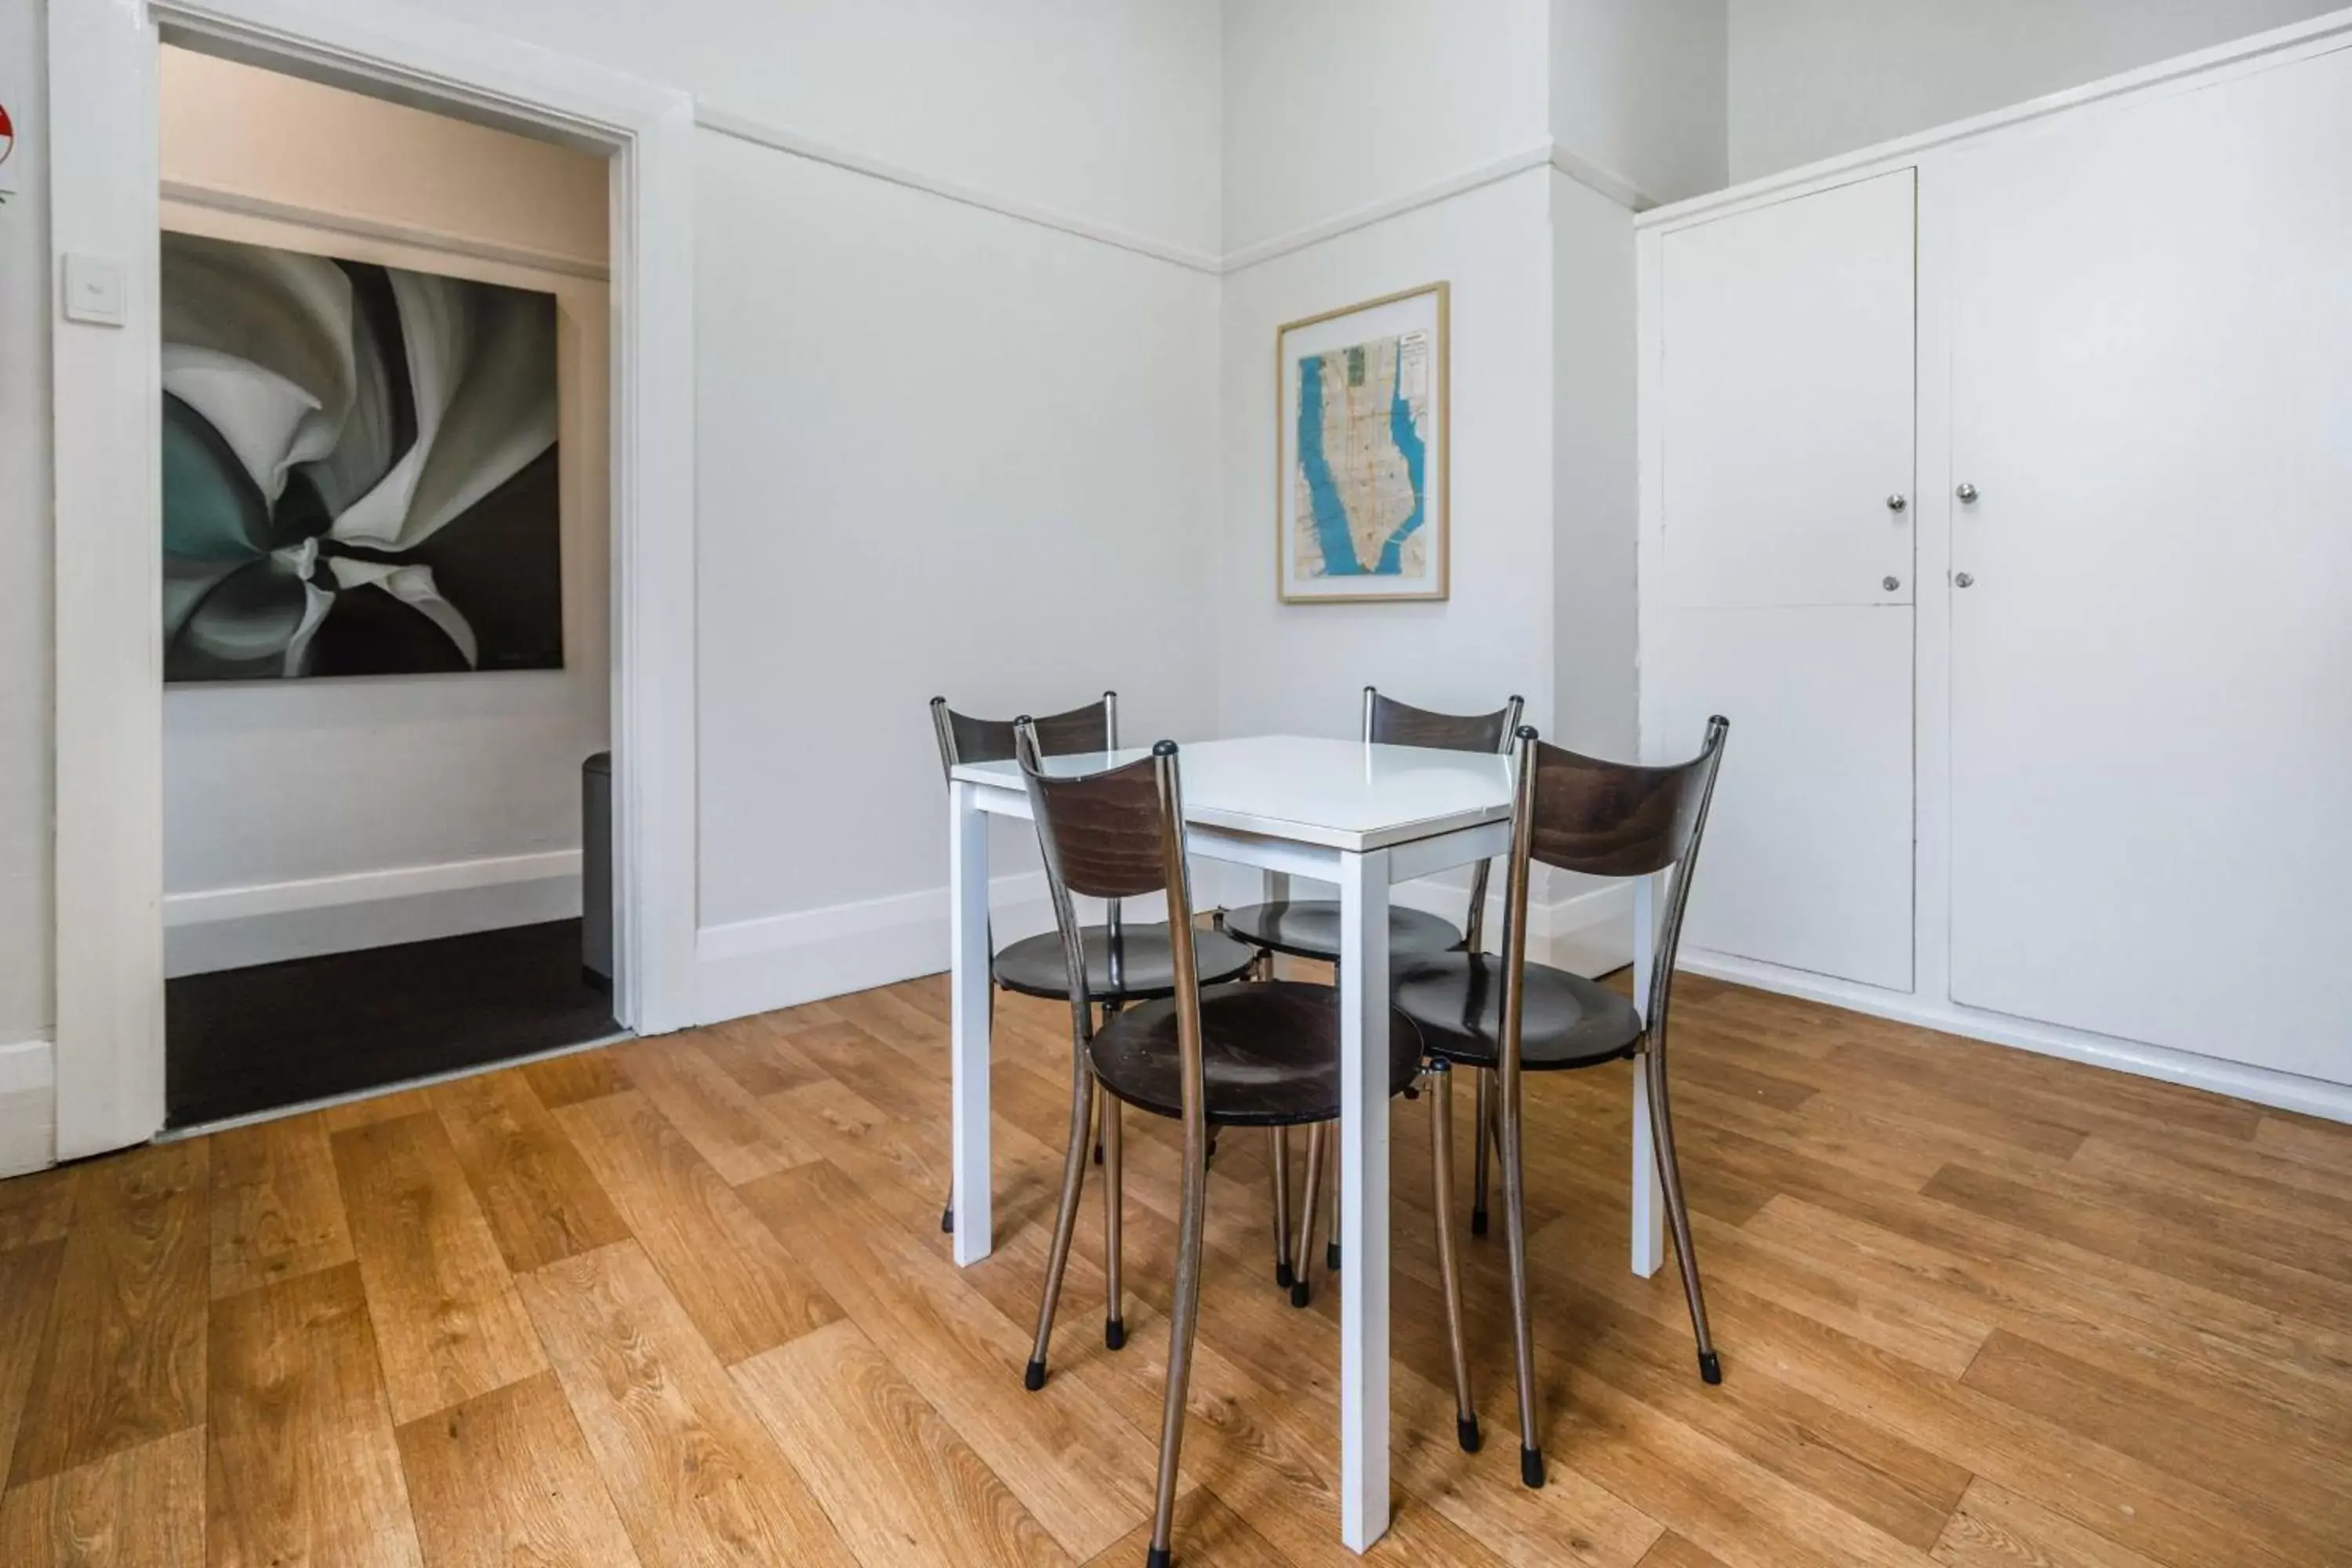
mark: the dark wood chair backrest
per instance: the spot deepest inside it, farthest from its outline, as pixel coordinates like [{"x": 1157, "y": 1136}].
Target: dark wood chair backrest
[
  {"x": 1606, "y": 819},
  {"x": 1119, "y": 833},
  {"x": 1389, "y": 722},
  {"x": 964, "y": 739},
  {"x": 1615, "y": 819}
]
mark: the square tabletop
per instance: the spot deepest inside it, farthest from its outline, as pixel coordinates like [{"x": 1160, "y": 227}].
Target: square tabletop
[{"x": 1343, "y": 794}]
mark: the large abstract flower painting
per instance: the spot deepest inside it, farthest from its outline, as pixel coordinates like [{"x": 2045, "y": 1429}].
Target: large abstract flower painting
[{"x": 359, "y": 469}]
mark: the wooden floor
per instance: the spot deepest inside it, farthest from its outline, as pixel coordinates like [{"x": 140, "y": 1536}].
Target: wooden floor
[{"x": 686, "y": 1301}]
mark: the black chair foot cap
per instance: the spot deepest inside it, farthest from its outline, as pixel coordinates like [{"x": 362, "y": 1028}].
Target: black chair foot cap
[
  {"x": 1115, "y": 1333},
  {"x": 1477, "y": 1222},
  {"x": 1465, "y": 1432},
  {"x": 1412, "y": 1091},
  {"x": 1299, "y": 1296},
  {"x": 1034, "y": 1378},
  {"x": 947, "y": 1221},
  {"x": 1710, "y": 1368},
  {"x": 1098, "y": 1154},
  {"x": 1158, "y": 1557},
  {"x": 1284, "y": 1276},
  {"x": 1531, "y": 1466},
  {"x": 1331, "y": 1258}
]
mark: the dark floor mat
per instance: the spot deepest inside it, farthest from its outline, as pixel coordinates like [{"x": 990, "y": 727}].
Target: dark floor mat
[{"x": 242, "y": 1040}]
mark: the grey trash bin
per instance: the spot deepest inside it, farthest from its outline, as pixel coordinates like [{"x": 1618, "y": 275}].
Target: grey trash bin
[{"x": 596, "y": 871}]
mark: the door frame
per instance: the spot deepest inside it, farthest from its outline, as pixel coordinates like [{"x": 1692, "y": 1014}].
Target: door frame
[{"x": 107, "y": 391}]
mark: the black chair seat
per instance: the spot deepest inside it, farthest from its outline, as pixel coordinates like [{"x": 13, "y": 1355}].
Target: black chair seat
[
  {"x": 1309, "y": 927},
  {"x": 1270, "y": 1054},
  {"x": 1566, "y": 1021},
  {"x": 1034, "y": 965}
]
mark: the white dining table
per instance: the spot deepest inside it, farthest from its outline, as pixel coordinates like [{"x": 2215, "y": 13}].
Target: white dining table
[{"x": 1359, "y": 815}]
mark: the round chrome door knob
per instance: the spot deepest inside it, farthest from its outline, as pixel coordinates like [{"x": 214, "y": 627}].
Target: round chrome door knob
[
  {"x": 1966, "y": 493},
  {"x": 1964, "y": 581},
  {"x": 1897, "y": 502},
  {"x": 1891, "y": 584}
]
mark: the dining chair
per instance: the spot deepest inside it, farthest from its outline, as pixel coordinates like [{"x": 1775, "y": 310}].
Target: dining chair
[
  {"x": 1508, "y": 1016},
  {"x": 1124, "y": 962},
  {"x": 1260, "y": 1052},
  {"x": 1309, "y": 927}
]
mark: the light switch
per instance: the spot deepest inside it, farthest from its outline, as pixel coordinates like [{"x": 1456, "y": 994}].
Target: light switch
[{"x": 94, "y": 290}]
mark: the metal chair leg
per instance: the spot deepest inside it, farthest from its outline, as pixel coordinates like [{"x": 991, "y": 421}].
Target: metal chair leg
[
  {"x": 1440, "y": 1176},
  {"x": 1302, "y": 1267},
  {"x": 1479, "y": 1140},
  {"x": 1332, "y": 1228},
  {"x": 1114, "y": 1217},
  {"x": 1670, "y": 1177},
  {"x": 1515, "y": 1229},
  {"x": 1277, "y": 1151},
  {"x": 1065, "y": 1221},
  {"x": 1183, "y": 1315}
]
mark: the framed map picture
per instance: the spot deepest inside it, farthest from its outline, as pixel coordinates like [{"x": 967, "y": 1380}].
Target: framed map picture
[{"x": 1360, "y": 455}]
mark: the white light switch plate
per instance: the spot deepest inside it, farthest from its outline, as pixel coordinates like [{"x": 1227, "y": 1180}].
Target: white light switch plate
[{"x": 94, "y": 290}]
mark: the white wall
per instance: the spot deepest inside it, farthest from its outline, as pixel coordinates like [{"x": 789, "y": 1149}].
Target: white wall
[
  {"x": 1332, "y": 106},
  {"x": 1300, "y": 668},
  {"x": 26, "y": 633},
  {"x": 303, "y": 816},
  {"x": 944, "y": 452},
  {"x": 1103, "y": 109},
  {"x": 1812, "y": 78},
  {"x": 1637, "y": 90}
]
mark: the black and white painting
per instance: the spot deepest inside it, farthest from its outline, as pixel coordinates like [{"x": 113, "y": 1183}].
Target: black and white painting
[{"x": 359, "y": 468}]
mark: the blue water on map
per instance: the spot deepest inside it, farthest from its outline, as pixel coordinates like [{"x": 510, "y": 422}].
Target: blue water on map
[{"x": 1330, "y": 513}]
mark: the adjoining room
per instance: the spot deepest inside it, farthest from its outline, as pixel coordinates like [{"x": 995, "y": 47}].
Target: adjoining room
[
  {"x": 385, "y": 562},
  {"x": 723, "y": 843}
]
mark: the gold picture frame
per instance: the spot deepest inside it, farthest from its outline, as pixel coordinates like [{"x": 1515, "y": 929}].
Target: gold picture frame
[{"x": 1312, "y": 515}]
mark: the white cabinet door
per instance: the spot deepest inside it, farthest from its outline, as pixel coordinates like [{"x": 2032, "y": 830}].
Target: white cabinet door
[
  {"x": 1786, "y": 382},
  {"x": 2152, "y": 669},
  {"x": 1807, "y": 860},
  {"x": 1785, "y": 407}
]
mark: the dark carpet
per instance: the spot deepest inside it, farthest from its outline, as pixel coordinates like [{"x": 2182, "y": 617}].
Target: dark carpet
[{"x": 241, "y": 1040}]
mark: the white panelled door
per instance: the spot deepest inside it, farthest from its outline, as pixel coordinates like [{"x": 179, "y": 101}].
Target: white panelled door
[
  {"x": 2152, "y": 661},
  {"x": 1785, "y": 397},
  {"x": 1786, "y": 400}
]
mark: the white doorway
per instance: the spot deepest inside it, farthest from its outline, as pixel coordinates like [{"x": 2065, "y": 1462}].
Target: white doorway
[{"x": 110, "y": 1057}]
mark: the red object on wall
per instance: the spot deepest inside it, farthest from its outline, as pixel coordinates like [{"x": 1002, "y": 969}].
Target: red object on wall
[{"x": 7, "y": 134}]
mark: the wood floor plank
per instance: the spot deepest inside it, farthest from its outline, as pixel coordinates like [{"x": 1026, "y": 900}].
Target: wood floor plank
[
  {"x": 694, "y": 1477},
  {"x": 1994, "y": 1528},
  {"x": 276, "y": 1210},
  {"x": 721, "y": 1118},
  {"x": 2148, "y": 1423},
  {"x": 139, "y": 1507},
  {"x": 541, "y": 1201},
  {"x": 303, "y": 1467},
  {"x": 506, "y": 1479},
  {"x": 574, "y": 1077},
  {"x": 36, "y": 1207},
  {"x": 1082, "y": 1472},
  {"x": 739, "y": 1284},
  {"x": 122, "y": 1358},
  {"x": 757, "y": 1057},
  {"x": 1214, "y": 1536},
  {"x": 1975, "y": 1307},
  {"x": 897, "y": 1482},
  {"x": 28, "y": 1284},
  {"x": 447, "y": 1323}
]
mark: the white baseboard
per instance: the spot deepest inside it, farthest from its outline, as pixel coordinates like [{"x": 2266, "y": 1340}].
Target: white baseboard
[
  {"x": 28, "y": 1107},
  {"x": 230, "y": 928},
  {"x": 781, "y": 960},
  {"x": 2240, "y": 1080}
]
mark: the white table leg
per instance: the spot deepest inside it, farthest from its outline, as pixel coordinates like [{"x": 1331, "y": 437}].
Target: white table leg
[
  {"x": 1649, "y": 1203},
  {"x": 968, "y": 1021},
  {"x": 1364, "y": 1209}
]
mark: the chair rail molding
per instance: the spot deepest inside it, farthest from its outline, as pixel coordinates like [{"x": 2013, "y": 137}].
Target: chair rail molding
[{"x": 105, "y": 203}]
